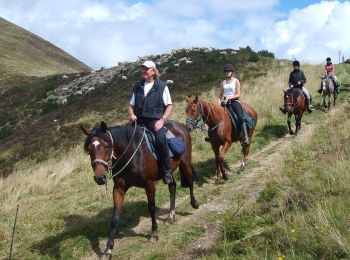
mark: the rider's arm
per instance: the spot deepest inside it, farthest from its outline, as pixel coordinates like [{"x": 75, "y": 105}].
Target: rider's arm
[
  {"x": 167, "y": 112},
  {"x": 238, "y": 91},
  {"x": 303, "y": 78},
  {"x": 131, "y": 111},
  {"x": 290, "y": 84}
]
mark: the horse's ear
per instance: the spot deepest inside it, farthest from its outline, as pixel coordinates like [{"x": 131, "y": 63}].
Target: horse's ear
[
  {"x": 187, "y": 99},
  {"x": 284, "y": 91},
  {"x": 103, "y": 126},
  {"x": 196, "y": 98},
  {"x": 86, "y": 131}
]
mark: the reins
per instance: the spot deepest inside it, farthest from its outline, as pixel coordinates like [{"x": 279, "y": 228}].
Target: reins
[
  {"x": 194, "y": 123},
  {"x": 132, "y": 156},
  {"x": 109, "y": 165}
]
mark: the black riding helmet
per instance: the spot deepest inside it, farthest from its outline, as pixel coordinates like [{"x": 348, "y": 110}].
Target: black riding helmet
[
  {"x": 328, "y": 60},
  {"x": 229, "y": 67},
  {"x": 296, "y": 63}
]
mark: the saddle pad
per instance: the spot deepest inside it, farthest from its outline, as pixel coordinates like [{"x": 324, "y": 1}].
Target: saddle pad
[
  {"x": 150, "y": 141},
  {"x": 234, "y": 119}
]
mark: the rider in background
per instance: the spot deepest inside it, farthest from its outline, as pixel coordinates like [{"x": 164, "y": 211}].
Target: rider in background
[
  {"x": 329, "y": 70},
  {"x": 151, "y": 106},
  {"x": 229, "y": 94},
  {"x": 297, "y": 80}
]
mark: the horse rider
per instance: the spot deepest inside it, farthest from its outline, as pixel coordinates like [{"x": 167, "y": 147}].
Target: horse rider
[
  {"x": 229, "y": 94},
  {"x": 297, "y": 79},
  {"x": 330, "y": 71},
  {"x": 151, "y": 106}
]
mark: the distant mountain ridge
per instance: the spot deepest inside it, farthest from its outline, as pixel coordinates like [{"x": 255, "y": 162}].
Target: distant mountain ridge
[{"x": 24, "y": 55}]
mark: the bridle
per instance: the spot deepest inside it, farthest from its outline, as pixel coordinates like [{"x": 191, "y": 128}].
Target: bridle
[
  {"x": 108, "y": 164},
  {"x": 199, "y": 118}
]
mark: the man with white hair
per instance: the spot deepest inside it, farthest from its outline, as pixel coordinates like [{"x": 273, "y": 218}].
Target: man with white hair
[{"x": 151, "y": 106}]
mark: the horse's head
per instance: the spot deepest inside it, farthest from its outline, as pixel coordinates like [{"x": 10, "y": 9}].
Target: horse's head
[
  {"x": 193, "y": 113},
  {"x": 288, "y": 100},
  {"x": 99, "y": 145},
  {"x": 327, "y": 84}
]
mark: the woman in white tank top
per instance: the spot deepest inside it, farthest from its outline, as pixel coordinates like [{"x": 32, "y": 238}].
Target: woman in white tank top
[{"x": 230, "y": 92}]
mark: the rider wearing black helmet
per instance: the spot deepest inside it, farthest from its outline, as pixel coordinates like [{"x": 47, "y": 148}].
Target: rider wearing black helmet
[
  {"x": 230, "y": 92},
  {"x": 297, "y": 79}
]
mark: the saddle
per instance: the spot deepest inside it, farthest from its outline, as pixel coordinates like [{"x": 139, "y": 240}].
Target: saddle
[
  {"x": 235, "y": 124},
  {"x": 176, "y": 144}
]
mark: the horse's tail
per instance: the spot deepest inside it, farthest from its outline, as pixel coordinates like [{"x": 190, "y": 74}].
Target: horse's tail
[{"x": 184, "y": 181}]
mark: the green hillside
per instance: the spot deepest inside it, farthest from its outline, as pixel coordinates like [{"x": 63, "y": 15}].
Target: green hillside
[{"x": 24, "y": 56}]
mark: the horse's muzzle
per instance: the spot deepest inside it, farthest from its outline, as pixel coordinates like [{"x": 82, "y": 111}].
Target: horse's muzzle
[{"x": 101, "y": 180}]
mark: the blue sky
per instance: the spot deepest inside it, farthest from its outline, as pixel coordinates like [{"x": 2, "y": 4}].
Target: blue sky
[{"x": 105, "y": 32}]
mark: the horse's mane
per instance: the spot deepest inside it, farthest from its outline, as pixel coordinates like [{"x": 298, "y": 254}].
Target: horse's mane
[
  {"x": 121, "y": 135},
  {"x": 213, "y": 107}
]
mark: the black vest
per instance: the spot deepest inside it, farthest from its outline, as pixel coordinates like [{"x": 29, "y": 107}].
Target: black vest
[{"x": 151, "y": 106}]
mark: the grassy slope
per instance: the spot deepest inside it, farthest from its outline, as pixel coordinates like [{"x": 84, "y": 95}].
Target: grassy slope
[
  {"x": 24, "y": 55},
  {"x": 109, "y": 102},
  {"x": 64, "y": 214}
]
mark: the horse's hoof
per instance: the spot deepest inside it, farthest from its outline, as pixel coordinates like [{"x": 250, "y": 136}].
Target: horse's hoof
[
  {"x": 170, "y": 220},
  {"x": 225, "y": 177},
  {"x": 194, "y": 204},
  {"x": 218, "y": 181},
  {"x": 107, "y": 253},
  {"x": 291, "y": 132},
  {"x": 153, "y": 238}
]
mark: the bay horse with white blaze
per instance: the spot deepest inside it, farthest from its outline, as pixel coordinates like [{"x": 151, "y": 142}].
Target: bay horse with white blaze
[
  {"x": 122, "y": 151},
  {"x": 220, "y": 129},
  {"x": 294, "y": 104}
]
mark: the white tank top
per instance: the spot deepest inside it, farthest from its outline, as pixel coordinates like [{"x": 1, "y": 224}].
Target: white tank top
[{"x": 229, "y": 89}]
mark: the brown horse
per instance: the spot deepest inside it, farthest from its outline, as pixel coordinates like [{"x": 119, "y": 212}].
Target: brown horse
[
  {"x": 220, "y": 129},
  {"x": 294, "y": 104},
  {"x": 123, "y": 152}
]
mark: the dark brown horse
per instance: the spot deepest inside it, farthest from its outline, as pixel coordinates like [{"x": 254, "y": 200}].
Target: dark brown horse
[
  {"x": 294, "y": 104},
  {"x": 220, "y": 129},
  {"x": 123, "y": 151}
]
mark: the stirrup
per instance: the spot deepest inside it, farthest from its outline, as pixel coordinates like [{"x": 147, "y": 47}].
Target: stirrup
[{"x": 245, "y": 141}]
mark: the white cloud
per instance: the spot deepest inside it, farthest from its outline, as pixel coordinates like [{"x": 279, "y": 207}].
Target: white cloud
[
  {"x": 311, "y": 33},
  {"x": 103, "y": 32}
]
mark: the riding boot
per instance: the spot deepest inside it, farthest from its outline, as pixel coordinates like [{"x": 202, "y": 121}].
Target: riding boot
[
  {"x": 320, "y": 89},
  {"x": 310, "y": 107},
  {"x": 245, "y": 134},
  {"x": 168, "y": 173}
]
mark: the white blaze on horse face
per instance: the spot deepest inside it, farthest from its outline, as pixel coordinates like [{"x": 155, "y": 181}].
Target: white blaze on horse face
[{"x": 96, "y": 143}]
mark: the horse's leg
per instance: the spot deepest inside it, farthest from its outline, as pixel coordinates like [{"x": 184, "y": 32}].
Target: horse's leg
[
  {"x": 118, "y": 200},
  {"x": 222, "y": 153},
  {"x": 329, "y": 101},
  {"x": 172, "y": 191},
  {"x": 334, "y": 97},
  {"x": 150, "y": 192},
  {"x": 289, "y": 123},
  {"x": 217, "y": 160},
  {"x": 324, "y": 101},
  {"x": 297, "y": 123},
  {"x": 187, "y": 170},
  {"x": 245, "y": 151}
]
